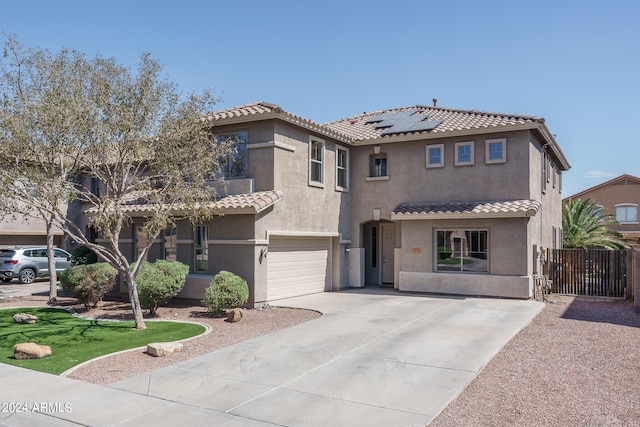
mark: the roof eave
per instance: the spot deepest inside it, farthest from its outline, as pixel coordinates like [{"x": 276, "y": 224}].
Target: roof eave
[
  {"x": 465, "y": 215},
  {"x": 284, "y": 116}
]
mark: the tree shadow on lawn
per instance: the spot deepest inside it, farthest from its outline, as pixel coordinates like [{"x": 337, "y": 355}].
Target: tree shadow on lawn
[{"x": 616, "y": 312}]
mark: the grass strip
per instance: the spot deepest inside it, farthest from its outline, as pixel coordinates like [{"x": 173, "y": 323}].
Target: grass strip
[{"x": 75, "y": 340}]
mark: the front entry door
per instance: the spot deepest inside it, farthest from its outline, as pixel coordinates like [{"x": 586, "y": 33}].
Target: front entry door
[{"x": 388, "y": 246}]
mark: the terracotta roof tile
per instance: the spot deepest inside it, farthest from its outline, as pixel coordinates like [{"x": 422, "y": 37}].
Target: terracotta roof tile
[
  {"x": 452, "y": 120},
  {"x": 251, "y": 202},
  {"x": 485, "y": 209}
]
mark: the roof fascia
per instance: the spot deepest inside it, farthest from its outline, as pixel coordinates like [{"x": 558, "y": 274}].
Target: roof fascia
[
  {"x": 285, "y": 117},
  {"x": 431, "y": 216}
]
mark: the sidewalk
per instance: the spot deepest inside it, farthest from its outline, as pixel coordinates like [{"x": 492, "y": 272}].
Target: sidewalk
[{"x": 375, "y": 358}]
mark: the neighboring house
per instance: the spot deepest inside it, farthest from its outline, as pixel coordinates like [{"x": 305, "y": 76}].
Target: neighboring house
[
  {"x": 619, "y": 197},
  {"x": 422, "y": 198},
  {"x": 19, "y": 230}
]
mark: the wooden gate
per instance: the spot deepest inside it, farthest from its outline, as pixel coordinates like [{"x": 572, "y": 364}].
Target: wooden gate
[{"x": 597, "y": 272}]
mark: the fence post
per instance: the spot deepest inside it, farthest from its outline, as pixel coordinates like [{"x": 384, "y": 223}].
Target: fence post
[{"x": 636, "y": 280}]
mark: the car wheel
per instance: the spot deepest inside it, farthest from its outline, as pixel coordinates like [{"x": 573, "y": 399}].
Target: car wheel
[
  {"x": 27, "y": 276},
  {"x": 7, "y": 279}
]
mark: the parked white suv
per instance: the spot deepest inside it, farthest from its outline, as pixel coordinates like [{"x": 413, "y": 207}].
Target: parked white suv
[{"x": 25, "y": 263}]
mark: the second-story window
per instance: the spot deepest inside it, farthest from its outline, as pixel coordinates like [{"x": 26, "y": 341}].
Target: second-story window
[
  {"x": 435, "y": 156},
  {"x": 627, "y": 213},
  {"x": 342, "y": 162},
  {"x": 464, "y": 153},
  {"x": 234, "y": 163},
  {"x": 496, "y": 150},
  {"x": 378, "y": 165},
  {"x": 95, "y": 186},
  {"x": 316, "y": 161}
]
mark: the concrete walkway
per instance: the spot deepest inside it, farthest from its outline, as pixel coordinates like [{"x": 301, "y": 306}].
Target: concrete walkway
[{"x": 375, "y": 358}]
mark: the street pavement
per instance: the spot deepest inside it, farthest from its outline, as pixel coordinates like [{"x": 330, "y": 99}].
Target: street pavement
[{"x": 374, "y": 358}]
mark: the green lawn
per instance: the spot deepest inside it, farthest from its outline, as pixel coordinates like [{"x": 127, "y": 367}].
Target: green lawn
[
  {"x": 454, "y": 261},
  {"x": 74, "y": 340}
]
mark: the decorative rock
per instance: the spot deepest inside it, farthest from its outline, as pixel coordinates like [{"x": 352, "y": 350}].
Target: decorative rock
[
  {"x": 25, "y": 318},
  {"x": 30, "y": 350},
  {"x": 234, "y": 315},
  {"x": 161, "y": 349}
]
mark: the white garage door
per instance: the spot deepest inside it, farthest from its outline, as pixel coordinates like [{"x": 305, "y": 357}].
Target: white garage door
[{"x": 296, "y": 267}]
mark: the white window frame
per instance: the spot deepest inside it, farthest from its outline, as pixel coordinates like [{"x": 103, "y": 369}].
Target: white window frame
[
  {"x": 428, "y": 157},
  {"x": 496, "y": 141},
  {"x": 344, "y": 168},
  {"x": 459, "y": 145},
  {"x": 627, "y": 206},
  {"x": 312, "y": 162}
]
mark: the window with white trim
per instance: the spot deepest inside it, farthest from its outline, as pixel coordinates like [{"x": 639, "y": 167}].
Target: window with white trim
[
  {"x": 342, "y": 168},
  {"x": 462, "y": 250},
  {"x": 435, "y": 156},
  {"x": 496, "y": 150},
  {"x": 627, "y": 213},
  {"x": 464, "y": 153},
  {"x": 316, "y": 161}
]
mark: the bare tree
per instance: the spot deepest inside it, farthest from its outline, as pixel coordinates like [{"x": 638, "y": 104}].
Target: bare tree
[{"x": 133, "y": 132}]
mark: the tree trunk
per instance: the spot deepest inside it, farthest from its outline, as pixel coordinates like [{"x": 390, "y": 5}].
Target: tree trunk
[
  {"x": 135, "y": 300},
  {"x": 53, "y": 275}
]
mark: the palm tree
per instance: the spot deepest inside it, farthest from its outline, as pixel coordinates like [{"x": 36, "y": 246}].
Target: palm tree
[{"x": 584, "y": 226}]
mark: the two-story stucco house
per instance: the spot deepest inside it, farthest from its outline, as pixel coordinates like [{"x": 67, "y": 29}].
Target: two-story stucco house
[
  {"x": 619, "y": 197},
  {"x": 421, "y": 198}
]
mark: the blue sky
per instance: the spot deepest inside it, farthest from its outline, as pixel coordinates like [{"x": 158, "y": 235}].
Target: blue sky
[{"x": 577, "y": 64}]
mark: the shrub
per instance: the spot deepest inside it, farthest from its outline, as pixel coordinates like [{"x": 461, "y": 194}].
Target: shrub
[
  {"x": 88, "y": 283},
  {"x": 444, "y": 252},
  {"x": 160, "y": 281},
  {"x": 226, "y": 291},
  {"x": 83, "y": 255}
]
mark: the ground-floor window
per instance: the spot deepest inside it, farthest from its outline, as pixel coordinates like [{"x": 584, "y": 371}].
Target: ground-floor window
[
  {"x": 202, "y": 249},
  {"x": 171, "y": 244},
  {"x": 462, "y": 250}
]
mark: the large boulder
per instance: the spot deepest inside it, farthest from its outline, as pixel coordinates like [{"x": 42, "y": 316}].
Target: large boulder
[
  {"x": 161, "y": 349},
  {"x": 30, "y": 350},
  {"x": 25, "y": 318},
  {"x": 235, "y": 315}
]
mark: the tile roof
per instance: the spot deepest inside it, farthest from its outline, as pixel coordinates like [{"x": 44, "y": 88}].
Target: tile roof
[
  {"x": 361, "y": 128},
  {"x": 477, "y": 209},
  {"x": 240, "y": 203}
]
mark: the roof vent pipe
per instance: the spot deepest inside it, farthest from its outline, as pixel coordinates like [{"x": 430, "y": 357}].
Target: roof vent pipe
[{"x": 435, "y": 102}]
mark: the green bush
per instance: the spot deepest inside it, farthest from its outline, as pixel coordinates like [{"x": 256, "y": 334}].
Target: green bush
[
  {"x": 444, "y": 252},
  {"x": 160, "y": 281},
  {"x": 88, "y": 283},
  {"x": 83, "y": 255},
  {"x": 226, "y": 291}
]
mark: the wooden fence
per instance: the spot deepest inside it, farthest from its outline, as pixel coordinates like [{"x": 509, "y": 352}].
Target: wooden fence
[{"x": 597, "y": 272}]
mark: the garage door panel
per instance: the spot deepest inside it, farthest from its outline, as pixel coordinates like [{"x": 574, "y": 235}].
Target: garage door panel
[{"x": 296, "y": 267}]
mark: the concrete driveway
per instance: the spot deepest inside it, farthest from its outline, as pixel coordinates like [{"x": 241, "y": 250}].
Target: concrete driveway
[
  {"x": 375, "y": 358},
  {"x": 15, "y": 289}
]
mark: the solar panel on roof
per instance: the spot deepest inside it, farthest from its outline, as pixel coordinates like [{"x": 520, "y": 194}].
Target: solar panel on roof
[
  {"x": 408, "y": 126},
  {"x": 403, "y": 121}
]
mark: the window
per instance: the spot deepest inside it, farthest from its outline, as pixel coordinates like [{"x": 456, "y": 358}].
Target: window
[
  {"x": 202, "y": 249},
  {"x": 462, "y": 251},
  {"x": 57, "y": 253},
  {"x": 342, "y": 171},
  {"x": 234, "y": 164},
  {"x": 435, "y": 156},
  {"x": 171, "y": 244},
  {"x": 316, "y": 159},
  {"x": 496, "y": 150},
  {"x": 464, "y": 153},
  {"x": 378, "y": 165},
  {"x": 95, "y": 186},
  {"x": 627, "y": 213}
]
